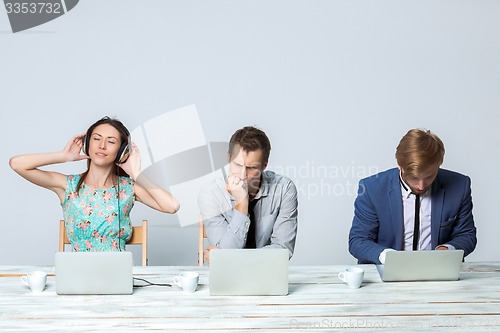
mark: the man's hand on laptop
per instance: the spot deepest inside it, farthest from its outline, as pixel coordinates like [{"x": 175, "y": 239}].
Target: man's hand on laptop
[
  {"x": 381, "y": 256},
  {"x": 207, "y": 253}
]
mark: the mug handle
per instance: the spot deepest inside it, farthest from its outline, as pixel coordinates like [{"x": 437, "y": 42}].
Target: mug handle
[
  {"x": 341, "y": 276},
  {"x": 177, "y": 281},
  {"x": 24, "y": 279}
]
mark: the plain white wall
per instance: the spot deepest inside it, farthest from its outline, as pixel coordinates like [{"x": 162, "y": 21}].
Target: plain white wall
[{"x": 335, "y": 84}]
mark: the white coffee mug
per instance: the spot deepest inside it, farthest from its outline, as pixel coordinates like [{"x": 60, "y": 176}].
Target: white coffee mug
[
  {"x": 35, "y": 281},
  {"x": 188, "y": 281},
  {"x": 353, "y": 276}
]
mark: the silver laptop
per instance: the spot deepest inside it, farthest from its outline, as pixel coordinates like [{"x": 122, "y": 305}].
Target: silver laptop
[
  {"x": 421, "y": 265},
  {"x": 242, "y": 272},
  {"x": 93, "y": 273}
]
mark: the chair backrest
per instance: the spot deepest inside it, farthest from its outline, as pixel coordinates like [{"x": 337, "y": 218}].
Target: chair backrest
[
  {"x": 139, "y": 237},
  {"x": 202, "y": 234}
]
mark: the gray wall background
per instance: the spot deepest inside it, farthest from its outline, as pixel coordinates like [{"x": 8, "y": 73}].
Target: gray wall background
[{"x": 335, "y": 84}]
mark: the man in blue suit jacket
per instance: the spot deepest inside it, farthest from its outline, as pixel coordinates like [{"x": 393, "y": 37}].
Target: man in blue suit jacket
[{"x": 385, "y": 215}]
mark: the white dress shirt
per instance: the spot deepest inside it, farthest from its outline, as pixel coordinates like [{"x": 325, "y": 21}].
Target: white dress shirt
[{"x": 409, "y": 218}]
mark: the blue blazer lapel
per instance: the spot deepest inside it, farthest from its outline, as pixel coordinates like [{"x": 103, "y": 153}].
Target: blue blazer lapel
[
  {"x": 437, "y": 203},
  {"x": 396, "y": 206}
]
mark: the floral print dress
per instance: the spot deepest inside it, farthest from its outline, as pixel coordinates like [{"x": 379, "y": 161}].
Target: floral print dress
[{"x": 98, "y": 219}]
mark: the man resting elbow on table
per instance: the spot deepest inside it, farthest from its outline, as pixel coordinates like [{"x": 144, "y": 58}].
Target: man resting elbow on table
[{"x": 254, "y": 208}]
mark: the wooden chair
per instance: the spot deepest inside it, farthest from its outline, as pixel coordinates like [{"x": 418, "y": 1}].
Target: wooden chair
[
  {"x": 139, "y": 237},
  {"x": 202, "y": 234}
]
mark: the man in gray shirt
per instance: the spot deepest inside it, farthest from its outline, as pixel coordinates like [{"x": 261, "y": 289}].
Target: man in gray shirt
[{"x": 253, "y": 208}]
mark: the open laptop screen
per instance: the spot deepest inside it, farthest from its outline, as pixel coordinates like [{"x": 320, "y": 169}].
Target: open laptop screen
[
  {"x": 248, "y": 272},
  {"x": 93, "y": 273},
  {"x": 421, "y": 265}
]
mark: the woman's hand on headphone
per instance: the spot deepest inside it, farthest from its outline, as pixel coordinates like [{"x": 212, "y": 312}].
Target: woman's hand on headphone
[
  {"x": 132, "y": 165},
  {"x": 74, "y": 147}
]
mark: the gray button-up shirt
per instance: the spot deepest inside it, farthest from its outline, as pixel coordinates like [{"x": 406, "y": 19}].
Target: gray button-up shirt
[{"x": 275, "y": 214}]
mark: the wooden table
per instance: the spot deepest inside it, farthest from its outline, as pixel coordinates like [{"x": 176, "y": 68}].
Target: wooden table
[{"x": 317, "y": 300}]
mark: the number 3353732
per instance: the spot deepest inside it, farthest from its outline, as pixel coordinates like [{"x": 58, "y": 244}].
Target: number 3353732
[{"x": 33, "y": 8}]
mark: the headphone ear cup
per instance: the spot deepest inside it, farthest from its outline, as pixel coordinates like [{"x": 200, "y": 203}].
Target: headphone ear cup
[{"x": 123, "y": 153}]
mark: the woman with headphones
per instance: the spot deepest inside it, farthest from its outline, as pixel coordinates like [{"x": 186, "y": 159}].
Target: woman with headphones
[{"x": 97, "y": 203}]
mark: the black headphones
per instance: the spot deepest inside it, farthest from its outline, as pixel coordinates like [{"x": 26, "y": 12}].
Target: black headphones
[{"x": 124, "y": 150}]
